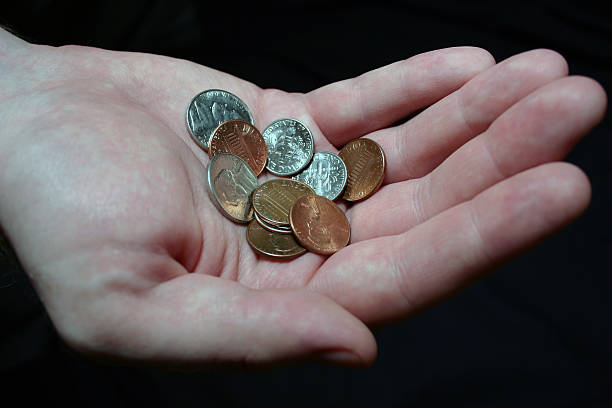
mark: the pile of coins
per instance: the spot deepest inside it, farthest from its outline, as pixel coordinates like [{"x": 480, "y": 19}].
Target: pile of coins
[{"x": 285, "y": 216}]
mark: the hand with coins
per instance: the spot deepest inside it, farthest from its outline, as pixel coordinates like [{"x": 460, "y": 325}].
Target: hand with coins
[{"x": 105, "y": 195}]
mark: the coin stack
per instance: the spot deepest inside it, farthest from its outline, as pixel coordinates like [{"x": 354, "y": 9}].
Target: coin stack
[{"x": 285, "y": 216}]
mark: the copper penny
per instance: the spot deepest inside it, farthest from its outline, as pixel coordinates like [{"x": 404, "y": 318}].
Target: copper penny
[
  {"x": 272, "y": 244},
  {"x": 319, "y": 224},
  {"x": 273, "y": 199},
  {"x": 231, "y": 183},
  {"x": 270, "y": 227},
  {"x": 365, "y": 162},
  {"x": 242, "y": 139}
]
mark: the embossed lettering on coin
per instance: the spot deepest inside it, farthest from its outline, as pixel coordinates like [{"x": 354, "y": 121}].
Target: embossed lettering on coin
[
  {"x": 209, "y": 109},
  {"x": 272, "y": 244},
  {"x": 326, "y": 174},
  {"x": 274, "y": 198},
  {"x": 242, "y": 139},
  {"x": 365, "y": 162},
  {"x": 231, "y": 182},
  {"x": 319, "y": 224},
  {"x": 290, "y": 146}
]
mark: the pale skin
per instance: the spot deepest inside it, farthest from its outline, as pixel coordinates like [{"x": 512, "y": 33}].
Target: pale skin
[{"x": 103, "y": 197}]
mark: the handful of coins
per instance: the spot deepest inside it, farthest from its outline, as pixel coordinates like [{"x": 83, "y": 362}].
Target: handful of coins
[{"x": 286, "y": 216}]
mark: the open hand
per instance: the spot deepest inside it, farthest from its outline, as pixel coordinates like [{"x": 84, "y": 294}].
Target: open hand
[{"x": 103, "y": 196}]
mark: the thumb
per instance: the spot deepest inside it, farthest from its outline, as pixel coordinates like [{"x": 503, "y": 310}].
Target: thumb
[{"x": 200, "y": 320}]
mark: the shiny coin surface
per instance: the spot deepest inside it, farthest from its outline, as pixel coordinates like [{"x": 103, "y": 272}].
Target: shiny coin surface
[
  {"x": 271, "y": 243},
  {"x": 209, "y": 109},
  {"x": 242, "y": 139},
  {"x": 273, "y": 199},
  {"x": 290, "y": 146},
  {"x": 270, "y": 227},
  {"x": 326, "y": 174},
  {"x": 319, "y": 225},
  {"x": 231, "y": 182},
  {"x": 365, "y": 162}
]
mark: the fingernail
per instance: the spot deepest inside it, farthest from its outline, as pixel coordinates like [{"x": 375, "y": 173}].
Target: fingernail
[{"x": 342, "y": 357}]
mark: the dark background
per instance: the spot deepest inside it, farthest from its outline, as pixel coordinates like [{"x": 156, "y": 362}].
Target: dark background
[{"x": 534, "y": 333}]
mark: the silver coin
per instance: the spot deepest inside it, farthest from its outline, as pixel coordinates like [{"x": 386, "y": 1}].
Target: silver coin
[
  {"x": 231, "y": 182},
  {"x": 290, "y": 146},
  {"x": 270, "y": 227},
  {"x": 209, "y": 109},
  {"x": 326, "y": 174}
]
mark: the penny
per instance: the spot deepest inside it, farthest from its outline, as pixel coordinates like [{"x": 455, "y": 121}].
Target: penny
[
  {"x": 290, "y": 146},
  {"x": 270, "y": 227},
  {"x": 365, "y": 162},
  {"x": 326, "y": 174},
  {"x": 209, "y": 109},
  {"x": 242, "y": 139},
  {"x": 231, "y": 182},
  {"x": 272, "y": 244},
  {"x": 273, "y": 199},
  {"x": 319, "y": 225}
]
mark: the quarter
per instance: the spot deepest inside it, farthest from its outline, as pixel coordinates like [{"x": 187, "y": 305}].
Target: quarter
[
  {"x": 231, "y": 182},
  {"x": 209, "y": 109}
]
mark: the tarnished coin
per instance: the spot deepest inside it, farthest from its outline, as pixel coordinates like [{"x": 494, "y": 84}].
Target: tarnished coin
[
  {"x": 365, "y": 162},
  {"x": 271, "y": 243},
  {"x": 209, "y": 109},
  {"x": 273, "y": 199},
  {"x": 231, "y": 182},
  {"x": 326, "y": 174},
  {"x": 242, "y": 139},
  {"x": 319, "y": 225},
  {"x": 270, "y": 227},
  {"x": 290, "y": 146}
]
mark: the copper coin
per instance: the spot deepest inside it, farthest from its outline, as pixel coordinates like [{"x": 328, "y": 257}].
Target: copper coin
[
  {"x": 231, "y": 183},
  {"x": 319, "y": 224},
  {"x": 273, "y": 199},
  {"x": 272, "y": 244},
  {"x": 365, "y": 162},
  {"x": 271, "y": 227},
  {"x": 242, "y": 139}
]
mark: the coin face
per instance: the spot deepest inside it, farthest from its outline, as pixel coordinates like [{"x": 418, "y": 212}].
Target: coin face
[
  {"x": 365, "y": 162},
  {"x": 231, "y": 182},
  {"x": 242, "y": 139},
  {"x": 271, "y": 227},
  {"x": 209, "y": 109},
  {"x": 326, "y": 174},
  {"x": 271, "y": 243},
  {"x": 290, "y": 146},
  {"x": 273, "y": 199},
  {"x": 319, "y": 225}
]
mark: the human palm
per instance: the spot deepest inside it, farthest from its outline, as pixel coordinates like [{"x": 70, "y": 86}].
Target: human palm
[{"x": 105, "y": 201}]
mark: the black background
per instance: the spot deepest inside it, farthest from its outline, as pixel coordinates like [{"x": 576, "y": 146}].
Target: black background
[{"x": 534, "y": 333}]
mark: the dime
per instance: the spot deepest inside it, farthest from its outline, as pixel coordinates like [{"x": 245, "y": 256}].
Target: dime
[
  {"x": 319, "y": 225},
  {"x": 242, "y": 139},
  {"x": 326, "y": 174},
  {"x": 209, "y": 109},
  {"x": 231, "y": 182},
  {"x": 271, "y": 227},
  {"x": 273, "y": 199},
  {"x": 365, "y": 162},
  {"x": 290, "y": 146},
  {"x": 272, "y": 244}
]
